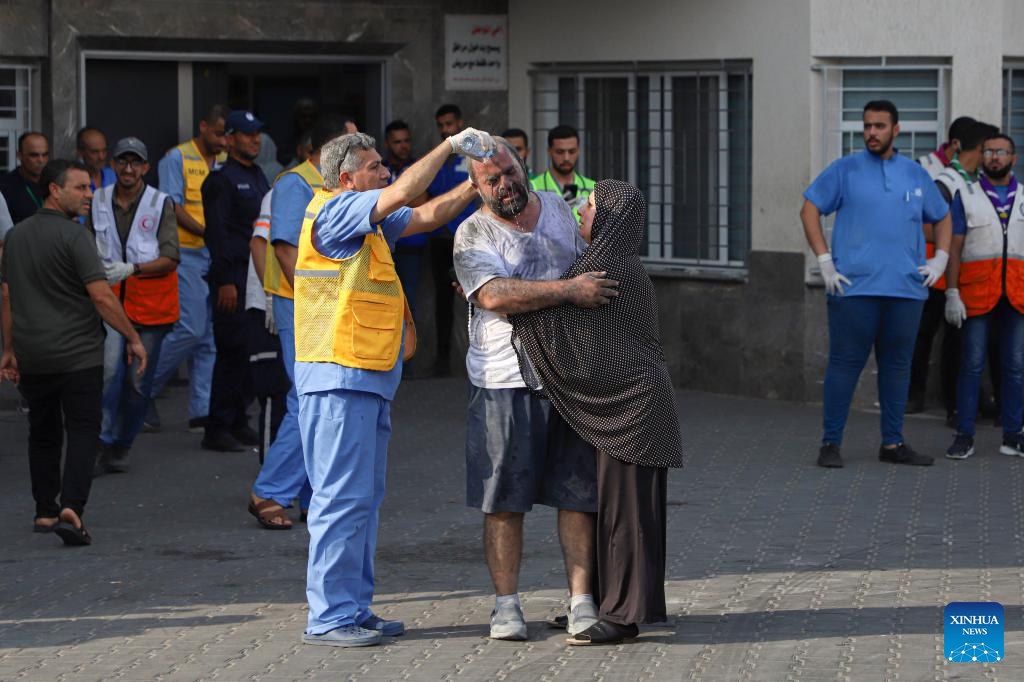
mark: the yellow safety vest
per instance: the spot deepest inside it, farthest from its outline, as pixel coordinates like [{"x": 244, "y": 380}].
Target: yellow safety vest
[
  {"x": 349, "y": 311},
  {"x": 194, "y": 170},
  {"x": 274, "y": 281}
]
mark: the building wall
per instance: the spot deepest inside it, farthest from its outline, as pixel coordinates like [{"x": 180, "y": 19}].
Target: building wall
[
  {"x": 767, "y": 336},
  {"x": 58, "y": 30}
]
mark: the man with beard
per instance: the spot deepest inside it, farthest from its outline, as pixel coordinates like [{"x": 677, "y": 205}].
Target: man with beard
[
  {"x": 231, "y": 204},
  {"x": 985, "y": 263},
  {"x": 881, "y": 199},
  {"x": 91, "y": 149},
  {"x": 508, "y": 257},
  {"x": 137, "y": 239},
  {"x": 562, "y": 176}
]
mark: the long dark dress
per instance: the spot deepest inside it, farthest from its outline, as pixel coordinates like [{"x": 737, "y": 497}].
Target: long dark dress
[{"x": 605, "y": 372}]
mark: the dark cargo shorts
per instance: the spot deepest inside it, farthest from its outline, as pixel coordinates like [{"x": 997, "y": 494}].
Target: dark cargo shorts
[{"x": 519, "y": 452}]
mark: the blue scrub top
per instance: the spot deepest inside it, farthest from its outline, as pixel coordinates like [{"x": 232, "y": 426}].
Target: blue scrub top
[
  {"x": 880, "y": 205},
  {"x": 338, "y": 232}
]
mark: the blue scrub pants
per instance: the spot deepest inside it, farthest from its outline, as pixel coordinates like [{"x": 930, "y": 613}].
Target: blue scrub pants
[
  {"x": 345, "y": 441},
  {"x": 1010, "y": 327},
  {"x": 192, "y": 336},
  {"x": 125, "y": 393},
  {"x": 282, "y": 477},
  {"x": 856, "y": 324}
]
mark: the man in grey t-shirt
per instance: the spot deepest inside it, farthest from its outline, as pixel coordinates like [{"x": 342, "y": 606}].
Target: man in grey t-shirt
[
  {"x": 508, "y": 257},
  {"x": 54, "y": 296}
]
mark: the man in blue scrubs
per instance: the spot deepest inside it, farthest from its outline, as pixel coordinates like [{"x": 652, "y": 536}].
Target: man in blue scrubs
[
  {"x": 881, "y": 199},
  {"x": 344, "y": 407}
]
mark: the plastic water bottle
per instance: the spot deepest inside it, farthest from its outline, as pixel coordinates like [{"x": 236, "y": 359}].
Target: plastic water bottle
[{"x": 473, "y": 145}]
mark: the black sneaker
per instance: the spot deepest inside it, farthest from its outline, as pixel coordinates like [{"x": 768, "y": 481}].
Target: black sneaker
[
  {"x": 962, "y": 447},
  {"x": 904, "y": 454},
  {"x": 220, "y": 440},
  {"x": 828, "y": 456},
  {"x": 118, "y": 460},
  {"x": 1013, "y": 445},
  {"x": 246, "y": 435},
  {"x": 151, "y": 424},
  {"x": 102, "y": 463}
]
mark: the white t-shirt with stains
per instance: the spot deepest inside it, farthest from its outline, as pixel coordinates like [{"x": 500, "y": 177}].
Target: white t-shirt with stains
[{"x": 486, "y": 249}]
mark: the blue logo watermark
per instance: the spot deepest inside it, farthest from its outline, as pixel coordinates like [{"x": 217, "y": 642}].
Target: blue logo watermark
[{"x": 973, "y": 632}]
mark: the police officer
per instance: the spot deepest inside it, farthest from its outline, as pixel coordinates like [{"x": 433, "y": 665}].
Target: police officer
[{"x": 231, "y": 203}]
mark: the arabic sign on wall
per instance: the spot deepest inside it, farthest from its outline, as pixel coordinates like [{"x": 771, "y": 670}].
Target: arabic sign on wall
[{"x": 476, "y": 51}]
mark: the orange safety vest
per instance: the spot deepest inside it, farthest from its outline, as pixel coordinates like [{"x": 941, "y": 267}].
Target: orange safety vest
[
  {"x": 150, "y": 300},
  {"x": 274, "y": 281},
  {"x": 981, "y": 263},
  {"x": 349, "y": 311},
  {"x": 933, "y": 164}
]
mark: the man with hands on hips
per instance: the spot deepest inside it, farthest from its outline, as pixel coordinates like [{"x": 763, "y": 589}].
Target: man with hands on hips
[{"x": 876, "y": 275}]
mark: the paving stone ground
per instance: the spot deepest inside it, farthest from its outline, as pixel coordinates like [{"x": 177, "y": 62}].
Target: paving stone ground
[{"x": 777, "y": 569}]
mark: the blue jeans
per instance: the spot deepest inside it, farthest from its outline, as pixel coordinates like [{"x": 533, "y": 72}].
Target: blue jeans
[
  {"x": 856, "y": 324},
  {"x": 345, "y": 443},
  {"x": 192, "y": 336},
  {"x": 282, "y": 477},
  {"x": 1010, "y": 326},
  {"x": 125, "y": 393}
]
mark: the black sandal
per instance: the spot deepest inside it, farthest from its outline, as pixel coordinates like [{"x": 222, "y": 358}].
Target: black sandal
[
  {"x": 38, "y": 527},
  {"x": 604, "y": 632},
  {"x": 73, "y": 537}
]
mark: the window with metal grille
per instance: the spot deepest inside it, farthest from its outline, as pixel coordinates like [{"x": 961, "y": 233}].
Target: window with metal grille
[
  {"x": 680, "y": 132},
  {"x": 1013, "y": 109},
  {"x": 919, "y": 91},
  {"x": 18, "y": 93}
]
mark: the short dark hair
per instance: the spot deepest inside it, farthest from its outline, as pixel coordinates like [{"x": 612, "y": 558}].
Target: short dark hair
[
  {"x": 326, "y": 128},
  {"x": 216, "y": 112},
  {"x": 397, "y": 124},
  {"x": 958, "y": 127},
  {"x": 24, "y": 136},
  {"x": 56, "y": 171},
  {"x": 975, "y": 135},
  {"x": 445, "y": 109},
  {"x": 517, "y": 132},
  {"x": 562, "y": 132},
  {"x": 1004, "y": 136},
  {"x": 883, "y": 105},
  {"x": 80, "y": 136}
]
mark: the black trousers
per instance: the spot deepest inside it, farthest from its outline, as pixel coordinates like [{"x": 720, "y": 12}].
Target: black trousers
[
  {"x": 230, "y": 389},
  {"x": 933, "y": 317},
  {"x": 441, "y": 262},
  {"x": 631, "y": 530},
  {"x": 60, "y": 404}
]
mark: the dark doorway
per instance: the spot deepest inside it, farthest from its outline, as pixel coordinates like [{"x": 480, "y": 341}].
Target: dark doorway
[{"x": 134, "y": 98}]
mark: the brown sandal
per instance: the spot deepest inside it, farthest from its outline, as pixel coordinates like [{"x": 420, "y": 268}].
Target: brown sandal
[{"x": 266, "y": 511}]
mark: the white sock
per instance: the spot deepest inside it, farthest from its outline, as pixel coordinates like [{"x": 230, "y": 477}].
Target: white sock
[
  {"x": 503, "y": 599},
  {"x": 580, "y": 599}
]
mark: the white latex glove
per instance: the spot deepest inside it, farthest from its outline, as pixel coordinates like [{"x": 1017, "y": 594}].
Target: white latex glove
[
  {"x": 934, "y": 268},
  {"x": 268, "y": 316},
  {"x": 476, "y": 144},
  {"x": 833, "y": 280},
  {"x": 118, "y": 272},
  {"x": 956, "y": 312}
]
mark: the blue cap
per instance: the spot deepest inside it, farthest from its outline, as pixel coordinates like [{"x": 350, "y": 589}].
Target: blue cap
[{"x": 242, "y": 122}]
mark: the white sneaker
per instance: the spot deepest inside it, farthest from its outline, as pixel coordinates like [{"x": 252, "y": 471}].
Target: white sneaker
[
  {"x": 581, "y": 617},
  {"x": 507, "y": 623},
  {"x": 346, "y": 635}
]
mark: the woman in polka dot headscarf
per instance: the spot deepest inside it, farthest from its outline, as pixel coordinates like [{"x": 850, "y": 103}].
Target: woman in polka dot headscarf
[{"x": 605, "y": 372}]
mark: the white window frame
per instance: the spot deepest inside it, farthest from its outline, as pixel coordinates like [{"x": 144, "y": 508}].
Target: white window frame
[
  {"x": 1010, "y": 69},
  {"x": 660, "y": 169},
  {"x": 835, "y": 129},
  {"x": 26, "y": 108}
]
